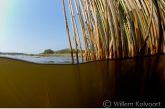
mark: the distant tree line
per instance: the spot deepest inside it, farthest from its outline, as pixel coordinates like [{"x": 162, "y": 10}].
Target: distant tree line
[
  {"x": 48, "y": 51},
  {"x": 63, "y": 51}
]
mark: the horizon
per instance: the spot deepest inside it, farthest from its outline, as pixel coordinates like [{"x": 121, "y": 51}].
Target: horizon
[
  {"x": 31, "y": 26},
  {"x": 36, "y": 53}
]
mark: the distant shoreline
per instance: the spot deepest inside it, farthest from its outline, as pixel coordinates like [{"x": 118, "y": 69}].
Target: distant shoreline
[
  {"x": 47, "y": 52},
  {"x": 53, "y": 54}
]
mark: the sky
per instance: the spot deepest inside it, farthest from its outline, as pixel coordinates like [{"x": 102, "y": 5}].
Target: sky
[{"x": 31, "y": 26}]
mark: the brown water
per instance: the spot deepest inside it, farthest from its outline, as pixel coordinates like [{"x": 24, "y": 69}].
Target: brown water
[{"x": 26, "y": 84}]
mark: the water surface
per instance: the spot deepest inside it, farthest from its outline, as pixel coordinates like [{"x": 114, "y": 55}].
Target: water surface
[{"x": 44, "y": 59}]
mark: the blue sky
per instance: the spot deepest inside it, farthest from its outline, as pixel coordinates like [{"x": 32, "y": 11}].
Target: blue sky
[{"x": 31, "y": 26}]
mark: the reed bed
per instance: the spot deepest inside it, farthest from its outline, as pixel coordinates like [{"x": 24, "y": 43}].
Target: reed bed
[{"x": 113, "y": 29}]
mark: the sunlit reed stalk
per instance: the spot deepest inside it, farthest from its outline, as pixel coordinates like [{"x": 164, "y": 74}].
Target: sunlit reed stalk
[
  {"x": 76, "y": 31},
  {"x": 73, "y": 29},
  {"x": 82, "y": 29},
  {"x": 67, "y": 31}
]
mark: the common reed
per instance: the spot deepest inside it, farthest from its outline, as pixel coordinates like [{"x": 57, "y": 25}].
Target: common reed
[{"x": 113, "y": 29}]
